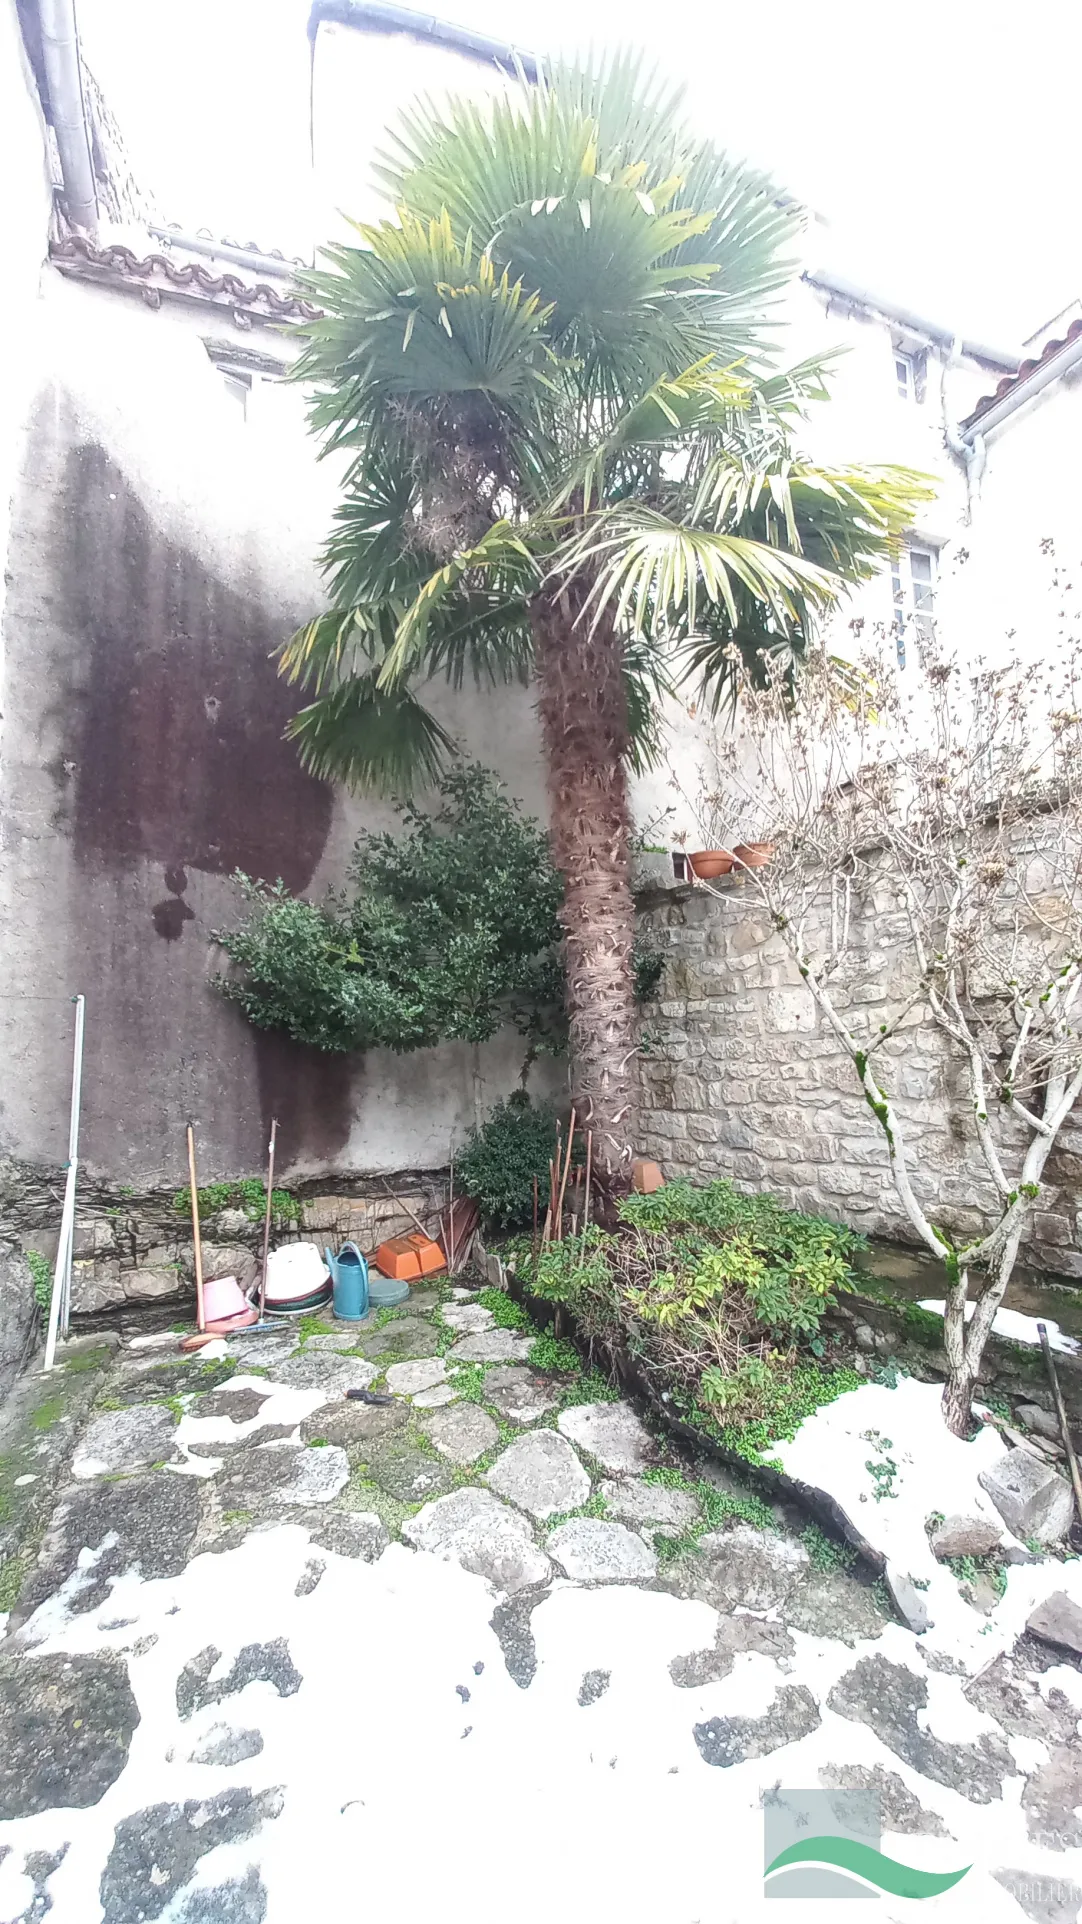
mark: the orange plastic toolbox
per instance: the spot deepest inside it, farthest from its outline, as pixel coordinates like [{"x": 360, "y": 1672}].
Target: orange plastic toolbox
[{"x": 407, "y": 1258}]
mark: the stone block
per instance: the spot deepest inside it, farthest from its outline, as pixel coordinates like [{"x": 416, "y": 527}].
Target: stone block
[
  {"x": 703, "y": 1128},
  {"x": 18, "y": 1312},
  {"x": 95, "y": 1285},
  {"x": 908, "y": 1600},
  {"x": 230, "y": 1259},
  {"x": 869, "y": 1150},
  {"x": 688, "y": 1093},
  {"x": 592, "y": 1551},
  {"x": 364, "y": 1220},
  {"x": 93, "y": 1238},
  {"x": 1033, "y": 1501},
  {"x": 965, "y": 1536},
  {"x": 325, "y": 1212},
  {"x": 1041, "y": 1422},
  {"x": 234, "y": 1223},
  {"x": 1058, "y": 1621},
  {"x": 748, "y": 935},
  {"x": 144, "y": 1285},
  {"x": 1049, "y": 1228}
]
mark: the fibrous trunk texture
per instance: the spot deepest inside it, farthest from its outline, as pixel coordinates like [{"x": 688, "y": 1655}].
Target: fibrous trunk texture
[
  {"x": 584, "y": 721},
  {"x": 957, "y": 1401}
]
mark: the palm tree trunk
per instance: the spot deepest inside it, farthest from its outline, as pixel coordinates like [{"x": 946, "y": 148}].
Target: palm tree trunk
[{"x": 583, "y": 712}]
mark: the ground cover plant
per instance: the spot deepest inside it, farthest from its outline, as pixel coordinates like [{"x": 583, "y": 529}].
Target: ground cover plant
[{"x": 717, "y": 1298}]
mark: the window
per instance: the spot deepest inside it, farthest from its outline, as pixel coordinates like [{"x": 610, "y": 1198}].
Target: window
[
  {"x": 238, "y": 385},
  {"x": 913, "y": 575},
  {"x": 906, "y": 376}
]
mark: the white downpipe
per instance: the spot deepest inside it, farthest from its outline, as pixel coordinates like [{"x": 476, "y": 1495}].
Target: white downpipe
[
  {"x": 970, "y": 453},
  {"x": 60, "y": 53},
  {"x": 60, "y": 1301}
]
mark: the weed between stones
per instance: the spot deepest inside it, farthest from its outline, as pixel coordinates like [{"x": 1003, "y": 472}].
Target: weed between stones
[
  {"x": 967, "y": 1571},
  {"x": 717, "y": 1506},
  {"x": 826, "y": 1553},
  {"x": 594, "y": 1506}
]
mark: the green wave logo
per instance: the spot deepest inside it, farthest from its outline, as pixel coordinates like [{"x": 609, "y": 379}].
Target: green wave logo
[{"x": 867, "y": 1864}]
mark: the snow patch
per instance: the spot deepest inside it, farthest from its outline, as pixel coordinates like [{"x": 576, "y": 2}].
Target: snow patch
[
  {"x": 888, "y": 1460},
  {"x": 1018, "y": 1327}
]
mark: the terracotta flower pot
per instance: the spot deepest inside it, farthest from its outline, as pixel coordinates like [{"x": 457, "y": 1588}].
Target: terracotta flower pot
[
  {"x": 753, "y": 854},
  {"x": 707, "y": 863}
]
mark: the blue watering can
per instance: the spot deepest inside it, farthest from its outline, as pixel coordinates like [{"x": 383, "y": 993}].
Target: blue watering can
[{"x": 349, "y": 1272}]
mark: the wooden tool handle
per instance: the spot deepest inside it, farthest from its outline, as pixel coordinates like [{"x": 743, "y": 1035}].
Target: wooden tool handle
[{"x": 194, "y": 1191}]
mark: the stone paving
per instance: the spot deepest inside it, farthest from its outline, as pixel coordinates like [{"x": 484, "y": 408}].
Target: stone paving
[{"x": 474, "y": 1650}]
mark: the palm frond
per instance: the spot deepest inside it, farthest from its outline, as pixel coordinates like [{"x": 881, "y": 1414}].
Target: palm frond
[
  {"x": 648, "y": 569},
  {"x": 417, "y": 312},
  {"x": 502, "y": 555},
  {"x": 371, "y": 738},
  {"x": 328, "y": 650},
  {"x": 483, "y": 638},
  {"x": 583, "y": 119},
  {"x": 375, "y": 553},
  {"x": 647, "y": 682}
]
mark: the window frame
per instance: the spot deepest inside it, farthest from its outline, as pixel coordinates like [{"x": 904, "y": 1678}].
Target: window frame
[
  {"x": 906, "y": 388},
  {"x": 908, "y": 611}
]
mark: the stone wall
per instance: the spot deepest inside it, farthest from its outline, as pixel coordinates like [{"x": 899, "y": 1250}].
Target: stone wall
[
  {"x": 137, "y": 1246},
  {"x": 741, "y": 1079}
]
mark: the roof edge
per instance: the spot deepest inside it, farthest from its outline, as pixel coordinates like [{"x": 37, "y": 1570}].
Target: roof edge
[
  {"x": 893, "y": 310},
  {"x": 1056, "y": 359}
]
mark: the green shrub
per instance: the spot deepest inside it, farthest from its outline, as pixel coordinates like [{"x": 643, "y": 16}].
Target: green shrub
[
  {"x": 444, "y": 933},
  {"x": 719, "y": 1297},
  {"x": 502, "y": 1160}
]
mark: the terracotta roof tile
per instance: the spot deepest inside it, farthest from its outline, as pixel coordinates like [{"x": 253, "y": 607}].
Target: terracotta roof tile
[
  {"x": 1011, "y": 381},
  {"x": 156, "y": 273}
]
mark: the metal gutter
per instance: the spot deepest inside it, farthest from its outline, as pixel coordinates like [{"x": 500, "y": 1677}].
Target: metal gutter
[
  {"x": 224, "y": 250},
  {"x": 67, "y": 112},
  {"x": 373, "y": 16},
  {"x": 945, "y": 336},
  {"x": 979, "y": 426}
]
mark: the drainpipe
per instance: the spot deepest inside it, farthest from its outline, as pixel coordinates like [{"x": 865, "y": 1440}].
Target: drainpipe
[
  {"x": 67, "y": 113},
  {"x": 225, "y": 250},
  {"x": 971, "y": 453},
  {"x": 377, "y": 16}
]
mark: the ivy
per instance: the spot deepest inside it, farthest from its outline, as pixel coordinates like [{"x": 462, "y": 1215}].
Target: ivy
[
  {"x": 41, "y": 1277},
  {"x": 247, "y": 1193}
]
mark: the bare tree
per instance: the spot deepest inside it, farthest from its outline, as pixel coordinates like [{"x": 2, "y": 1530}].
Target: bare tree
[{"x": 949, "y": 799}]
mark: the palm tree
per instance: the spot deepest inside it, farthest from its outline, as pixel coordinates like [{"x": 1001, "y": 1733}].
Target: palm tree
[{"x": 571, "y": 463}]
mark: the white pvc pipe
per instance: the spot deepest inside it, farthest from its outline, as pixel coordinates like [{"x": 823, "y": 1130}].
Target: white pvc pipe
[{"x": 60, "y": 1301}]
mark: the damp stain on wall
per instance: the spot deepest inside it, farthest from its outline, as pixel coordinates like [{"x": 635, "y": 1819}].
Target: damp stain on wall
[{"x": 176, "y": 733}]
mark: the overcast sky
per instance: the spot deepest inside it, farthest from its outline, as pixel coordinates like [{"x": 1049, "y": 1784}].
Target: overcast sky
[{"x": 944, "y": 158}]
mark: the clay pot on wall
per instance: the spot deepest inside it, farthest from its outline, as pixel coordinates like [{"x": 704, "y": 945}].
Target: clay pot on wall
[
  {"x": 753, "y": 854},
  {"x": 708, "y": 863}
]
